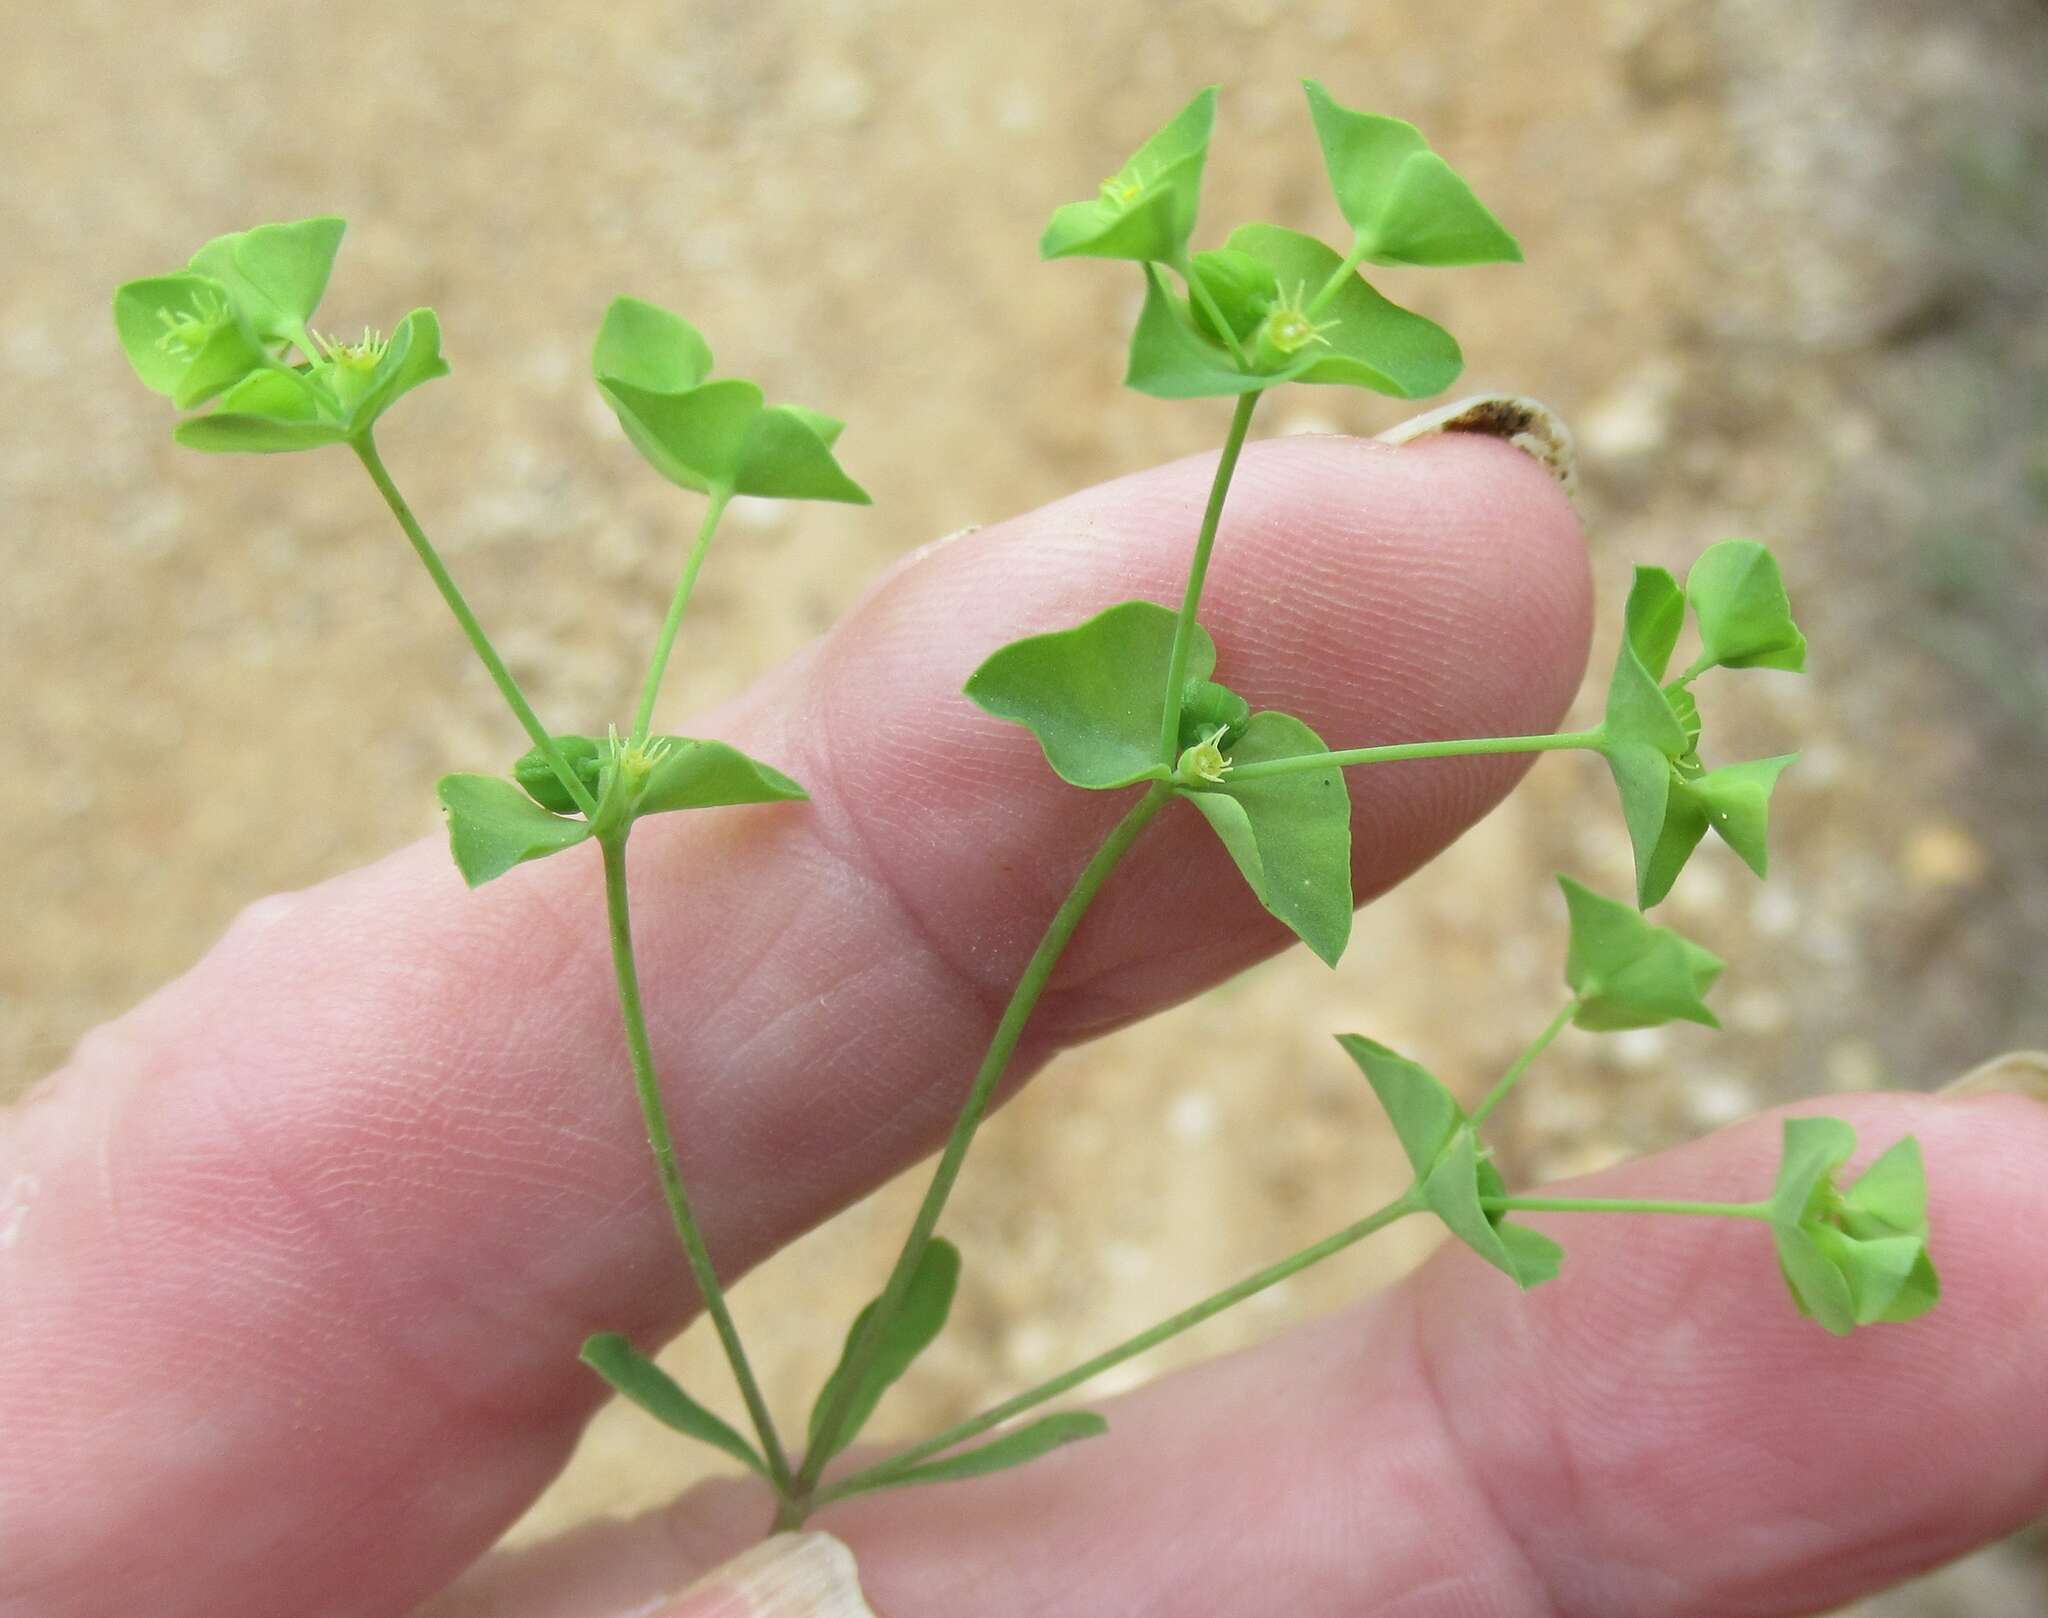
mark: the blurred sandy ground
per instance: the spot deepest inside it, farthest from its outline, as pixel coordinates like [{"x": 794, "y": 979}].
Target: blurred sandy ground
[{"x": 1785, "y": 277}]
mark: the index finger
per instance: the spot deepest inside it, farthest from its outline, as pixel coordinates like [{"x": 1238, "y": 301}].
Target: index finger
[{"x": 315, "y": 1232}]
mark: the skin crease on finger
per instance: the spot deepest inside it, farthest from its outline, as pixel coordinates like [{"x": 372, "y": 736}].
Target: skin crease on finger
[
  {"x": 1655, "y": 1434},
  {"x": 317, "y": 1229}
]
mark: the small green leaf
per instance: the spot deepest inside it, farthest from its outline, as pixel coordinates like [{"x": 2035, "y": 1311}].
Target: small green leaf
[
  {"x": 1093, "y": 695},
  {"x": 647, "y": 1385},
  {"x": 1171, "y": 359},
  {"x": 493, "y": 826},
  {"x": 1653, "y": 617},
  {"x": 647, "y": 346},
  {"x": 1290, "y": 834},
  {"x": 1449, "y": 1165},
  {"x": 583, "y": 755},
  {"x": 1858, "y": 1258},
  {"x": 1405, "y": 203},
  {"x": 1629, "y": 973},
  {"x": 1368, "y": 342},
  {"x": 1736, "y": 801},
  {"x": 1027, "y": 1443},
  {"x": 917, "y": 1323},
  {"x": 693, "y": 438},
  {"x": 412, "y": 357},
  {"x": 1424, "y": 1113},
  {"x": 1745, "y": 617},
  {"x": 708, "y": 775},
  {"x": 276, "y": 273},
  {"x": 786, "y": 457},
  {"x": 1241, "y": 287},
  {"x": 1643, "y": 734},
  {"x": 1146, "y": 210},
  {"x": 186, "y": 337},
  {"x": 1206, "y": 706},
  {"x": 266, "y": 413}
]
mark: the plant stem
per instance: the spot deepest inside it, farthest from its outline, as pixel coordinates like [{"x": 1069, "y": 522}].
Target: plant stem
[
  {"x": 366, "y": 451},
  {"x": 662, "y": 647},
  {"x": 662, "y": 1140},
  {"x": 1341, "y": 274},
  {"x": 1627, "y": 1205},
  {"x": 1002, "y": 1045},
  {"x": 1467, "y": 748},
  {"x": 1130, "y": 1348},
  {"x": 1520, "y": 1065},
  {"x": 1198, "y": 569}
]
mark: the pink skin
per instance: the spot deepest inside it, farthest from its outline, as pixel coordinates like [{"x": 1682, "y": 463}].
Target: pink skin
[{"x": 310, "y": 1237}]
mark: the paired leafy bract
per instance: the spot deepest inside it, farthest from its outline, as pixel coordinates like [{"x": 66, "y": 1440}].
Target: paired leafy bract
[
  {"x": 494, "y": 824},
  {"x": 1650, "y": 735},
  {"x": 1855, "y": 1257},
  {"x": 1095, "y": 697},
  {"x": 1451, "y": 1168},
  {"x": 654, "y": 369},
  {"x": 219, "y": 330},
  {"x": 1626, "y": 972},
  {"x": 1146, "y": 210}
]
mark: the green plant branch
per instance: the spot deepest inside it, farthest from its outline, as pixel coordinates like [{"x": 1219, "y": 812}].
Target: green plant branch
[
  {"x": 1409, "y": 1202},
  {"x": 1198, "y": 570},
  {"x": 1002, "y": 1045},
  {"x": 1520, "y": 1065},
  {"x": 1625, "y": 1205},
  {"x": 1467, "y": 748},
  {"x": 659, "y": 1136},
  {"x": 365, "y": 447},
  {"x": 658, "y": 665}
]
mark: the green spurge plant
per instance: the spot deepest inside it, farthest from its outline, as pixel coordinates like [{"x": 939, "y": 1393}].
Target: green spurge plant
[{"x": 1126, "y": 702}]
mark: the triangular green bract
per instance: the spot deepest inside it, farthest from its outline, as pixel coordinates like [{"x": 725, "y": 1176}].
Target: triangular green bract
[
  {"x": 1744, "y": 614},
  {"x": 1171, "y": 359},
  {"x": 412, "y": 357},
  {"x": 1852, "y": 1259},
  {"x": 637, "y": 1378},
  {"x": 708, "y": 775},
  {"x": 493, "y": 826},
  {"x": 786, "y": 457},
  {"x": 649, "y": 347},
  {"x": 693, "y": 438},
  {"x": 1146, "y": 210},
  {"x": 1241, "y": 287},
  {"x": 1642, "y": 734},
  {"x": 1093, "y": 695},
  {"x": 908, "y": 1334},
  {"x": 185, "y": 336},
  {"x": 1653, "y": 618},
  {"x": 276, "y": 273},
  {"x": 583, "y": 754},
  {"x": 1405, "y": 203},
  {"x": 1373, "y": 343},
  {"x": 1453, "y": 1173},
  {"x": 1628, "y": 972},
  {"x": 1290, "y": 834},
  {"x": 1736, "y": 800},
  {"x": 266, "y": 413}
]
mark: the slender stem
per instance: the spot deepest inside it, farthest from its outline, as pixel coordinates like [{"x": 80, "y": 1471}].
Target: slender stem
[
  {"x": 1130, "y": 1348},
  {"x": 662, "y": 647},
  {"x": 1465, "y": 748},
  {"x": 1198, "y": 570},
  {"x": 1713, "y": 1210},
  {"x": 1000, "y": 1048},
  {"x": 1520, "y": 1065},
  {"x": 659, "y": 1136},
  {"x": 1341, "y": 274},
  {"x": 366, "y": 451},
  {"x": 1200, "y": 292}
]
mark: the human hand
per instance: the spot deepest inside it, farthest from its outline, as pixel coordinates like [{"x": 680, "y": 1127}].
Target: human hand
[{"x": 301, "y": 1249}]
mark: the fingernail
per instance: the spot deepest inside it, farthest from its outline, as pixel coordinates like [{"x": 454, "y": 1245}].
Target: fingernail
[
  {"x": 2017, "y": 1073},
  {"x": 790, "y": 1576},
  {"x": 1528, "y": 424}
]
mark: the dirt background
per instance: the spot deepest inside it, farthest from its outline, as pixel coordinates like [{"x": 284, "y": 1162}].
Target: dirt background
[{"x": 1785, "y": 277}]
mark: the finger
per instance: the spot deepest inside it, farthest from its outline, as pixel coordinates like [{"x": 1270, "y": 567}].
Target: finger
[
  {"x": 1654, "y": 1435},
  {"x": 322, "y": 1223}
]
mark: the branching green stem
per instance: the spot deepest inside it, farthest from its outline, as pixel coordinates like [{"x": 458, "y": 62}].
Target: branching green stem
[
  {"x": 1468, "y": 748},
  {"x": 366, "y": 451},
  {"x": 659, "y": 1136},
  {"x": 1130, "y": 1348},
  {"x": 1198, "y": 570},
  {"x": 1626, "y": 1205},
  {"x": 1001, "y": 1047},
  {"x": 1520, "y": 1065},
  {"x": 658, "y": 664}
]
